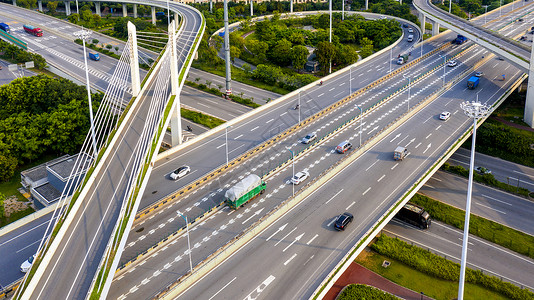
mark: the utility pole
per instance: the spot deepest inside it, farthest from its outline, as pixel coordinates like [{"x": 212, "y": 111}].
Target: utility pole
[{"x": 227, "y": 50}]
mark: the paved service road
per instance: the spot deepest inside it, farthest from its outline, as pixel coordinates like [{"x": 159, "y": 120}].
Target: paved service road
[
  {"x": 504, "y": 171},
  {"x": 507, "y": 209},
  {"x": 446, "y": 241}
]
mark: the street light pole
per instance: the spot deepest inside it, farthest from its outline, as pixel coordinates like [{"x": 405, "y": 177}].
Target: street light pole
[
  {"x": 299, "y": 106},
  {"x": 409, "y": 89},
  {"x": 444, "y": 63},
  {"x": 360, "y": 131},
  {"x": 474, "y": 110},
  {"x": 330, "y": 36},
  {"x": 293, "y": 163},
  {"x": 83, "y": 35},
  {"x": 350, "y": 78},
  {"x": 188, "y": 241},
  {"x": 390, "y": 59},
  {"x": 226, "y": 143}
]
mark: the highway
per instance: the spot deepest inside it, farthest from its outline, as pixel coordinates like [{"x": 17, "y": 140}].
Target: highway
[
  {"x": 446, "y": 241},
  {"x": 221, "y": 156},
  {"x": 510, "y": 210},
  {"x": 502, "y": 170},
  {"x": 165, "y": 267},
  {"x": 64, "y": 273},
  {"x": 515, "y": 48}
]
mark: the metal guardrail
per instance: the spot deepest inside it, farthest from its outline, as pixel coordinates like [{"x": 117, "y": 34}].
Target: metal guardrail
[{"x": 9, "y": 38}]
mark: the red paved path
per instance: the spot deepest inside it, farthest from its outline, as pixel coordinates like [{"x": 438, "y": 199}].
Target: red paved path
[{"x": 358, "y": 274}]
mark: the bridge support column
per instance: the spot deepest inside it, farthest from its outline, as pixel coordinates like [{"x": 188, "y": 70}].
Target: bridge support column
[
  {"x": 14, "y": 2},
  {"x": 291, "y": 6},
  {"x": 529, "y": 103},
  {"x": 135, "y": 10},
  {"x": 366, "y": 4},
  {"x": 124, "y": 10},
  {"x": 422, "y": 20},
  {"x": 176, "y": 123},
  {"x": 153, "y": 13},
  {"x": 251, "y": 8},
  {"x": 67, "y": 8},
  {"x": 98, "y": 10},
  {"x": 435, "y": 28},
  {"x": 40, "y": 5},
  {"x": 134, "y": 59}
]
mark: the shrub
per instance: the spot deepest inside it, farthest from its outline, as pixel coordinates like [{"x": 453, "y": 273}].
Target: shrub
[
  {"x": 361, "y": 291},
  {"x": 439, "y": 267}
]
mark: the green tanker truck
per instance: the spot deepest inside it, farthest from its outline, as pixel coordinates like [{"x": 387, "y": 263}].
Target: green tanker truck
[{"x": 244, "y": 191}]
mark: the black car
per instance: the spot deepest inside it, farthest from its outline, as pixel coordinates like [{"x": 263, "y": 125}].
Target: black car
[{"x": 343, "y": 220}]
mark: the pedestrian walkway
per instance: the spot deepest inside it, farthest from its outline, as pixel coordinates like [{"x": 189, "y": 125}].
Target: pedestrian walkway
[{"x": 357, "y": 274}]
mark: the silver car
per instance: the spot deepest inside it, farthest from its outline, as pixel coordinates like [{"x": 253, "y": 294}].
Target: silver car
[
  {"x": 300, "y": 177},
  {"x": 180, "y": 172},
  {"x": 309, "y": 138}
]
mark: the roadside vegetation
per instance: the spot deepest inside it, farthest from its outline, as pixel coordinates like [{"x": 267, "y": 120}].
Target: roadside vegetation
[
  {"x": 406, "y": 275},
  {"x": 40, "y": 115},
  {"x": 16, "y": 55},
  {"x": 494, "y": 232},
  {"x": 217, "y": 92},
  {"x": 487, "y": 179},
  {"x": 438, "y": 267},
  {"x": 361, "y": 291},
  {"x": 200, "y": 118},
  {"x": 471, "y": 8}
]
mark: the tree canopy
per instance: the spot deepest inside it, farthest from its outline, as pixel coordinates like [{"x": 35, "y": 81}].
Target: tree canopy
[{"x": 41, "y": 115}]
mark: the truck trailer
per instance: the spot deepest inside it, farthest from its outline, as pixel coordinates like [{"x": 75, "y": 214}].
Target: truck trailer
[
  {"x": 415, "y": 215},
  {"x": 400, "y": 153},
  {"x": 5, "y": 27},
  {"x": 402, "y": 59},
  {"x": 244, "y": 191},
  {"x": 472, "y": 82},
  {"x": 33, "y": 30}
]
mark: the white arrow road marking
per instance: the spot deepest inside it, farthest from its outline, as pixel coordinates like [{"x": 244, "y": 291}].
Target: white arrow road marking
[
  {"x": 427, "y": 147},
  {"x": 397, "y": 136},
  {"x": 261, "y": 288},
  {"x": 294, "y": 241},
  {"x": 279, "y": 229},
  {"x": 411, "y": 141},
  {"x": 255, "y": 214}
]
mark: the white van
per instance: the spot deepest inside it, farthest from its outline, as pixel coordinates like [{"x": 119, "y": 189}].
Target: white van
[{"x": 410, "y": 38}]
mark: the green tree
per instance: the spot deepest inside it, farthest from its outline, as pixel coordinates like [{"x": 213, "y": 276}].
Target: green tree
[
  {"x": 325, "y": 51},
  {"x": 367, "y": 47},
  {"x": 299, "y": 56},
  {"x": 2, "y": 199},
  {"x": 52, "y": 6},
  {"x": 73, "y": 18},
  {"x": 234, "y": 52},
  {"x": 280, "y": 53}
]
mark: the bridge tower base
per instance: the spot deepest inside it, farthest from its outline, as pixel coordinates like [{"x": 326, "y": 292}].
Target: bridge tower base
[
  {"x": 135, "y": 11},
  {"x": 435, "y": 28},
  {"x": 134, "y": 59},
  {"x": 176, "y": 120},
  {"x": 529, "y": 103},
  {"x": 40, "y": 5},
  {"x": 124, "y": 10},
  {"x": 422, "y": 19}
]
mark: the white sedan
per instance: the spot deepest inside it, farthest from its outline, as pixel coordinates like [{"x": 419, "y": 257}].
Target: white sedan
[
  {"x": 309, "y": 138},
  {"x": 25, "y": 267},
  {"x": 180, "y": 172},
  {"x": 445, "y": 116},
  {"x": 452, "y": 63},
  {"x": 300, "y": 177}
]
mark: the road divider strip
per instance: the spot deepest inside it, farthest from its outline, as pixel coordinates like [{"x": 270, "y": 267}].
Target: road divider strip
[
  {"x": 358, "y": 247},
  {"x": 245, "y": 156},
  {"x": 219, "y": 256}
]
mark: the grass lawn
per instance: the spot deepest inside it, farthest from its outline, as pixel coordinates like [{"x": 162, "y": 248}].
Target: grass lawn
[
  {"x": 419, "y": 282},
  {"x": 10, "y": 188}
]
